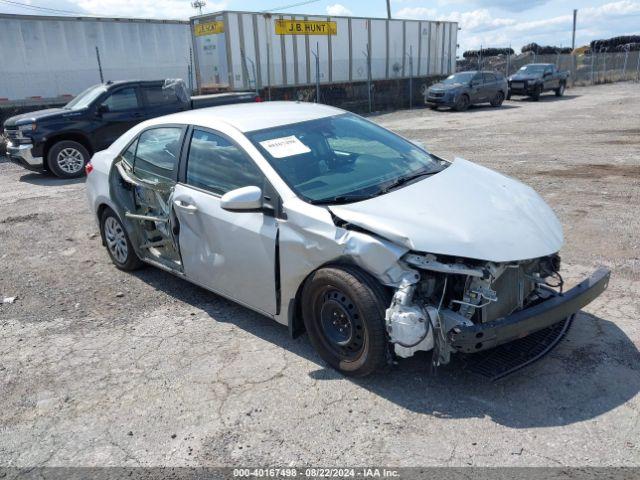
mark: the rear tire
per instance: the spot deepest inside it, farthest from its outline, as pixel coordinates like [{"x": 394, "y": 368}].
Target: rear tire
[
  {"x": 560, "y": 90},
  {"x": 433, "y": 107},
  {"x": 497, "y": 100},
  {"x": 116, "y": 239},
  {"x": 66, "y": 159},
  {"x": 509, "y": 95},
  {"x": 343, "y": 310},
  {"x": 462, "y": 104}
]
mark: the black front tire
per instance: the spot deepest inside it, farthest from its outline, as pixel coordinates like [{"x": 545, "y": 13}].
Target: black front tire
[
  {"x": 116, "y": 240},
  {"x": 344, "y": 296},
  {"x": 560, "y": 90},
  {"x": 67, "y": 159},
  {"x": 536, "y": 93},
  {"x": 509, "y": 95},
  {"x": 462, "y": 103}
]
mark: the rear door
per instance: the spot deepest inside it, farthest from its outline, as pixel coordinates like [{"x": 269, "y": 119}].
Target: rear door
[
  {"x": 489, "y": 87},
  {"x": 120, "y": 110},
  {"x": 159, "y": 101},
  {"x": 550, "y": 79},
  {"x": 475, "y": 90},
  {"x": 232, "y": 253}
]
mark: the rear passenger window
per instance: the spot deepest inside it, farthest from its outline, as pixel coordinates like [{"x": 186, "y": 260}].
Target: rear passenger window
[
  {"x": 121, "y": 100},
  {"x": 158, "y": 152},
  {"x": 130, "y": 153},
  {"x": 217, "y": 165},
  {"x": 489, "y": 78},
  {"x": 156, "y": 95}
]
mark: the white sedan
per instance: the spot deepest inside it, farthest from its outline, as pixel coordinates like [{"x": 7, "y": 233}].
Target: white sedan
[{"x": 330, "y": 224}]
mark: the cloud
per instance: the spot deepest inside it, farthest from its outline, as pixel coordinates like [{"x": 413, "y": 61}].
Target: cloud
[
  {"x": 511, "y": 5},
  {"x": 338, "y": 10},
  {"x": 473, "y": 21},
  {"x": 482, "y": 27}
]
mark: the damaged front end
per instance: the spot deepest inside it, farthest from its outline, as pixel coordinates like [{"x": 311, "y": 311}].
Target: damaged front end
[{"x": 462, "y": 305}]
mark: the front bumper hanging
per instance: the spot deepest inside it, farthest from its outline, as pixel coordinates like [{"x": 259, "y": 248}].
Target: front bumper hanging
[{"x": 475, "y": 338}]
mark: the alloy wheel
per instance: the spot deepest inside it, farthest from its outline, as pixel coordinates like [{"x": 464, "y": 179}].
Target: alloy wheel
[{"x": 70, "y": 160}]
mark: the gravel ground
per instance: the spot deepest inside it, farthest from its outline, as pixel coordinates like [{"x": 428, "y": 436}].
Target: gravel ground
[{"x": 100, "y": 367}]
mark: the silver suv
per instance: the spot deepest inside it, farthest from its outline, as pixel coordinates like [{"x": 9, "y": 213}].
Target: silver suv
[{"x": 463, "y": 89}]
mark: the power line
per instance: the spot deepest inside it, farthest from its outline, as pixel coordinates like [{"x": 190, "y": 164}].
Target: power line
[
  {"x": 39, "y": 8},
  {"x": 285, "y": 7}
]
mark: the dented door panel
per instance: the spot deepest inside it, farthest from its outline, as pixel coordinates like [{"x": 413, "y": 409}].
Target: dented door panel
[{"x": 232, "y": 253}]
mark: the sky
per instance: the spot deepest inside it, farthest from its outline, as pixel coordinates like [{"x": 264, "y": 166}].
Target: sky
[{"x": 487, "y": 23}]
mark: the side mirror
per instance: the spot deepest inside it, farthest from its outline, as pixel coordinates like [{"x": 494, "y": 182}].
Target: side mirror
[
  {"x": 245, "y": 199},
  {"x": 102, "y": 109}
]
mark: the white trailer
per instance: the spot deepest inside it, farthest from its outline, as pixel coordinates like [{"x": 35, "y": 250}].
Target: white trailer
[
  {"x": 51, "y": 57},
  {"x": 245, "y": 50}
]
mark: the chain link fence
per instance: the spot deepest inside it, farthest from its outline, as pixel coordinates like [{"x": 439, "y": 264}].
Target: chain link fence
[{"x": 586, "y": 69}]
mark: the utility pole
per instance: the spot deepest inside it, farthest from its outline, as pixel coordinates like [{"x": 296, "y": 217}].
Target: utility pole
[
  {"x": 389, "y": 9},
  {"x": 198, "y": 4},
  {"x": 573, "y": 36}
]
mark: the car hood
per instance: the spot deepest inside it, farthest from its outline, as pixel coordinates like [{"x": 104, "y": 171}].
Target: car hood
[
  {"x": 34, "y": 116},
  {"x": 525, "y": 77},
  {"x": 442, "y": 86},
  {"x": 466, "y": 211}
]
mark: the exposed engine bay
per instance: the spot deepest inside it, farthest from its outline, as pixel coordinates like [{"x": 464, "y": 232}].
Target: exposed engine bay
[{"x": 453, "y": 293}]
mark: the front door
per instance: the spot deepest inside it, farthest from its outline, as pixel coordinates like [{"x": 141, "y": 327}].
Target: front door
[
  {"x": 232, "y": 253},
  {"x": 117, "y": 113}
]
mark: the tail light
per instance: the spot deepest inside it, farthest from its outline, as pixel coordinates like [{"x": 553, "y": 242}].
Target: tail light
[
  {"x": 88, "y": 168},
  {"x": 258, "y": 100}
]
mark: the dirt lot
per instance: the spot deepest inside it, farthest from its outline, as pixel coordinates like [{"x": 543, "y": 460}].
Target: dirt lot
[{"x": 100, "y": 367}]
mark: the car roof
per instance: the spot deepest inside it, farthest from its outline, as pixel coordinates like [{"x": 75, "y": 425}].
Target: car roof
[{"x": 248, "y": 117}]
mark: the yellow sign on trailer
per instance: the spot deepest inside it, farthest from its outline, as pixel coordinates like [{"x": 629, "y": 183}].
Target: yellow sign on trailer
[
  {"x": 305, "y": 27},
  {"x": 209, "y": 28}
]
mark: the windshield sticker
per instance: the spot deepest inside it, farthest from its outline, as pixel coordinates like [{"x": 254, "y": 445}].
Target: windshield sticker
[{"x": 285, "y": 147}]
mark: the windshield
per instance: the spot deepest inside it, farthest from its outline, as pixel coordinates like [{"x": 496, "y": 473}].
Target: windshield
[
  {"x": 342, "y": 158},
  {"x": 464, "y": 77},
  {"x": 533, "y": 69},
  {"x": 86, "y": 98}
]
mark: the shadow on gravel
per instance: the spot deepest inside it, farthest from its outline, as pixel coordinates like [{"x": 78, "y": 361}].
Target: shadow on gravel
[
  {"x": 547, "y": 97},
  {"x": 45, "y": 179},
  {"x": 479, "y": 108},
  {"x": 594, "y": 369}
]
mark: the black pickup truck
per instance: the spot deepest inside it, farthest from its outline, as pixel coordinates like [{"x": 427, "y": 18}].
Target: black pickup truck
[
  {"x": 62, "y": 140},
  {"x": 536, "y": 78}
]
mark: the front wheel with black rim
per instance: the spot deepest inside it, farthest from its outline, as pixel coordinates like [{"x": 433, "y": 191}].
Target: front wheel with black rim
[
  {"x": 119, "y": 247},
  {"x": 536, "y": 93},
  {"x": 66, "y": 159},
  {"x": 343, "y": 311},
  {"x": 462, "y": 103}
]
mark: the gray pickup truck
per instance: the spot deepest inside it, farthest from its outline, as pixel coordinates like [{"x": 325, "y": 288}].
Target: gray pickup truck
[
  {"x": 463, "y": 89},
  {"x": 536, "y": 78}
]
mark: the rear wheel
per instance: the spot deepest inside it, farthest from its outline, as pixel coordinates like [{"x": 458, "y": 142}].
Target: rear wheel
[
  {"x": 66, "y": 159},
  {"x": 560, "y": 90},
  {"x": 343, "y": 311},
  {"x": 509, "y": 95},
  {"x": 497, "y": 100},
  {"x": 462, "y": 103},
  {"x": 115, "y": 237}
]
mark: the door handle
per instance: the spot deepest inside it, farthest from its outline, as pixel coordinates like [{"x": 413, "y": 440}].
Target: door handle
[{"x": 187, "y": 207}]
